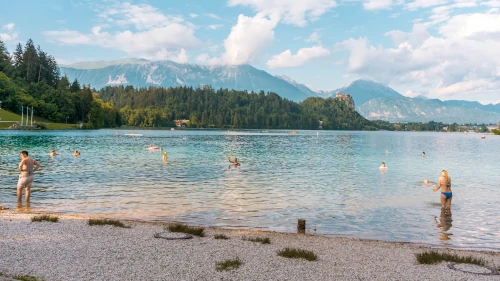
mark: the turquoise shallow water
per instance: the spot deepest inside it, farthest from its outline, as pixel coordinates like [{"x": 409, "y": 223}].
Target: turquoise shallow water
[{"x": 331, "y": 179}]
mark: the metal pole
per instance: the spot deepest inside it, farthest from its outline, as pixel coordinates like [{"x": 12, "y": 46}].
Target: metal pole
[
  {"x": 32, "y": 116},
  {"x": 27, "y": 115},
  {"x": 22, "y": 114}
]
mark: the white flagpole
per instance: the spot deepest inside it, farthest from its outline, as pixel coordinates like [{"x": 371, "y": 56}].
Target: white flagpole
[{"x": 22, "y": 114}]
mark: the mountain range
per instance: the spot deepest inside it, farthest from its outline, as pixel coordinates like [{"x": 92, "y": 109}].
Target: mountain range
[{"x": 373, "y": 100}]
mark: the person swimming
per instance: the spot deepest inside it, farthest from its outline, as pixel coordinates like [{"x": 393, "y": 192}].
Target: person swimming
[
  {"x": 165, "y": 156},
  {"x": 444, "y": 183},
  {"x": 383, "y": 166},
  {"x": 235, "y": 162},
  {"x": 76, "y": 153},
  {"x": 53, "y": 153},
  {"x": 426, "y": 181},
  {"x": 423, "y": 153}
]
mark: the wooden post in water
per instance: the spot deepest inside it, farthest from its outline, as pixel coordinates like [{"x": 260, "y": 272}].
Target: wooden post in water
[{"x": 301, "y": 226}]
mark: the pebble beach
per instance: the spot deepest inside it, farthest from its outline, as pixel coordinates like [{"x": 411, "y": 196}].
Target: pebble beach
[{"x": 70, "y": 249}]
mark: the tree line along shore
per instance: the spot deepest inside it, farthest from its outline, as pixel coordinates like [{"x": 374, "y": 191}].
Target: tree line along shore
[{"x": 31, "y": 78}]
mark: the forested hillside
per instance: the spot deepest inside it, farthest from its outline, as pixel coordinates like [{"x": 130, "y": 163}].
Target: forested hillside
[
  {"x": 30, "y": 77},
  {"x": 209, "y": 108}
]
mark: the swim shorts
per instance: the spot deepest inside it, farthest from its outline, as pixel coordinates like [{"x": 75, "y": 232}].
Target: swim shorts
[{"x": 25, "y": 181}]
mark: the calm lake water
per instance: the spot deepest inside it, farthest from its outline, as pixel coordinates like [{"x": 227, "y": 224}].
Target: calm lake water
[{"x": 329, "y": 178}]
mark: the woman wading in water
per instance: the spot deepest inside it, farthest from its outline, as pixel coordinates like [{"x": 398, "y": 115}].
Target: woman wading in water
[{"x": 444, "y": 183}]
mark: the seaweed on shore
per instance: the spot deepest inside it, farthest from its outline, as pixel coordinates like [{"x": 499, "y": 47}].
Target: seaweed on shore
[
  {"x": 49, "y": 218},
  {"x": 221, "y": 236},
  {"x": 115, "y": 223},
  {"x": 293, "y": 253},
  {"x": 228, "y": 264},
  {"x": 433, "y": 257},
  {"x": 178, "y": 227},
  {"x": 260, "y": 240}
]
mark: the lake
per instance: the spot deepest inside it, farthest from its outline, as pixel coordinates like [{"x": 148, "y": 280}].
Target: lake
[{"x": 329, "y": 178}]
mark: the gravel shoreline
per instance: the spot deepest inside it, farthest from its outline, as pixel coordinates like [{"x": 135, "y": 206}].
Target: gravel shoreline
[{"x": 72, "y": 250}]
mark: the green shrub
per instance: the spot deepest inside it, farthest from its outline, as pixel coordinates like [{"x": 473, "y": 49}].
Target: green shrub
[{"x": 221, "y": 236}]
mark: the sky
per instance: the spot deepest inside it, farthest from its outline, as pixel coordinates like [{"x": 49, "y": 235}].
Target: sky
[{"x": 434, "y": 48}]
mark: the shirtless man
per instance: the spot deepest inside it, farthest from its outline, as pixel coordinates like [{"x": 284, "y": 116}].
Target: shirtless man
[
  {"x": 27, "y": 175},
  {"x": 445, "y": 184}
]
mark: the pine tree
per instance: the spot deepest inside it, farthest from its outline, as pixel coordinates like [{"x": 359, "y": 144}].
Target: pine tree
[
  {"x": 30, "y": 60},
  {"x": 18, "y": 61},
  {"x": 5, "y": 62},
  {"x": 75, "y": 86}
]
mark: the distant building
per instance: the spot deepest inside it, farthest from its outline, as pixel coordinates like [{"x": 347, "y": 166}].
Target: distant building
[
  {"x": 181, "y": 123},
  {"x": 346, "y": 98}
]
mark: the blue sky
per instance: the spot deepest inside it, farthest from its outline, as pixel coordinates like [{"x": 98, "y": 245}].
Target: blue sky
[{"x": 436, "y": 48}]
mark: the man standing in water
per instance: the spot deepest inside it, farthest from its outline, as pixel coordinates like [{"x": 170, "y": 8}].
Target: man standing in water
[{"x": 27, "y": 175}]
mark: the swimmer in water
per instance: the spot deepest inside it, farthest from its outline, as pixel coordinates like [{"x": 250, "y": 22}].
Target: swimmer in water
[
  {"x": 165, "y": 156},
  {"x": 53, "y": 153},
  {"x": 76, "y": 153},
  {"x": 235, "y": 162},
  {"x": 444, "y": 183},
  {"x": 423, "y": 154},
  {"x": 383, "y": 166},
  {"x": 426, "y": 181}
]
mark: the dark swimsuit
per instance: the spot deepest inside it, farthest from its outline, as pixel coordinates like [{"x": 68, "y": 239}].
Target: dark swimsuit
[{"x": 448, "y": 195}]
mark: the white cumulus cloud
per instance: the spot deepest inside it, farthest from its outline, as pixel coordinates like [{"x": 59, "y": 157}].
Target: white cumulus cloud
[
  {"x": 8, "y": 33},
  {"x": 461, "y": 59},
  {"x": 290, "y": 11},
  {"x": 146, "y": 33},
  {"x": 377, "y": 4},
  {"x": 248, "y": 39},
  {"x": 287, "y": 59}
]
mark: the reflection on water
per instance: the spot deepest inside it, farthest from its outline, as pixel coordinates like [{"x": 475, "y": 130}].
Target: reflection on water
[
  {"x": 330, "y": 179},
  {"x": 444, "y": 225}
]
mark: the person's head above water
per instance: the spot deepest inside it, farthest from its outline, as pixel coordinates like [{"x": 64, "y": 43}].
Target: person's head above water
[
  {"x": 426, "y": 181},
  {"x": 24, "y": 153}
]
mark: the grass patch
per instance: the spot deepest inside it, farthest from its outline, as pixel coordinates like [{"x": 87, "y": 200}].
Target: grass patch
[
  {"x": 115, "y": 223},
  {"x": 44, "y": 218},
  {"x": 26, "y": 278},
  {"x": 433, "y": 257},
  {"x": 197, "y": 231},
  {"x": 293, "y": 253},
  {"x": 228, "y": 264},
  {"x": 260, "y": 240},
  {"x": 221, "y": 236},
  {"x": 21, "y": 277}
]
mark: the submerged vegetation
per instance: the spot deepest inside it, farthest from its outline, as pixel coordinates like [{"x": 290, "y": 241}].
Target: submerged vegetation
[
  {"x": 228, "y": 264},
  {"x": 293, "y": 253},
  {"x": 197, "y": 231},
  {"x": 221, "y": 236},
  {"x": 49, "y": 218},
  {"x": 115, "y": 223},
  {"x": 433, "y": 257}
]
